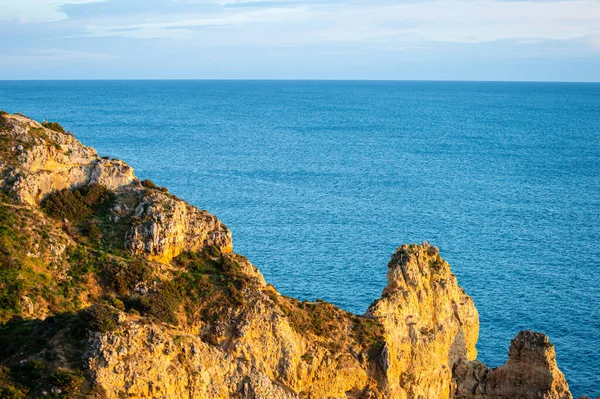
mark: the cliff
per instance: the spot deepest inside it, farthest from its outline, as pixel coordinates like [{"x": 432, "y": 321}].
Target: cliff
[{"x": 112, "y": 287}]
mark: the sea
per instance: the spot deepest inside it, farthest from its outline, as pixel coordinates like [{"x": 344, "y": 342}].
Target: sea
[{"x": 320, "y": 181}]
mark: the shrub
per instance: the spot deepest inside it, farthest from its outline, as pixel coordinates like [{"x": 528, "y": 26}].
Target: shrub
[
  {"x": 8, "y": 390},
  {"x": 101, "y": 317},
  {"x": 212, "y": 251},
  {"x": 78, "y": 204},
  {"x": 3, "y": 123},
  {"x": 436, "y": 264},
  {"x": 123, "y": 278},
  {"x": 83, "y": 261},
  {"x": 68, "y": 381},
  {"x": 117, "y": 303},
  {"x": 164, "y": 303},
  {"x": 12, "y": 244},
  {"x": 149, "y": 184},
  {"x": 95, "y": 235},
  {"x": 11, "y": 392},
  {"x": 35, "y": 368},
  {"x": 11, "y": 290},
  {"x": 53, "y": 126}
]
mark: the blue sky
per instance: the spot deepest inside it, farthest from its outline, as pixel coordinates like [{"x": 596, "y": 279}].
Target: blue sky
[{"x": 292, "y": 39}]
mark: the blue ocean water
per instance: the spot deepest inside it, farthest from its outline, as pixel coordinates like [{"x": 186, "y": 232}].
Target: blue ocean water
[{"x": 321, "y": 181}]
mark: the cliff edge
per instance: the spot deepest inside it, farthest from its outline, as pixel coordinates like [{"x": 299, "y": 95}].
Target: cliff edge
[{"x": 112, "y": 287}]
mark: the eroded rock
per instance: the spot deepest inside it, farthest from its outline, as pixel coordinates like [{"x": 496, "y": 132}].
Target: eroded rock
[{"x": 530, "y": 372}]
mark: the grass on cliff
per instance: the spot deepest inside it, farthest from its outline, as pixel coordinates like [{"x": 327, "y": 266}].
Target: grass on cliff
[
  {"x": 31, "y": 271},
  {"x": 217, "y": 293},
  {"x": 20, "y": 273},
  {"x": 11, "y": 255},
  {"x": 8, "y": 143},
  {"x": 435, "y": 262},
  {"x": 207, "y": 288},
  {"x": 36, "y": 356},
  {"x": 337, "y": 329},
  {"x": 78, "y": 204},
  {"x": 53, "y": 126}
]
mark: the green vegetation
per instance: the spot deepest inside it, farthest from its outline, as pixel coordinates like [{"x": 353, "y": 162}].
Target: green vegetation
[
  {"x": 149, "y": 184},
  {"x": 53, "y": 126},
  {"x": 12, "y": 240},
  {"x": 162, "y": 304},
  {"x": 54, "y": 351},
  {"x": 435, "y": 261},
  {"x": 78, "y": 204},
  {"x": 101, "y": 317},
  {"x": 206, "y": 288},
  {"x": 340, "y": 329},
  {"x": 8, "y": 388},
  {"x": 3, "y": 122},
  {"x": 69, "y": 382},
  {"x": 122, "y": 277},
  {"x": 210, "y": 277},
  {"x": 95, "y": 235},
  {"x": 436, "y": 264}
]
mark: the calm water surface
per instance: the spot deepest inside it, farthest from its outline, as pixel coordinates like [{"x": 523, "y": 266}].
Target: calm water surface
[{"x": 321, "y": 181}]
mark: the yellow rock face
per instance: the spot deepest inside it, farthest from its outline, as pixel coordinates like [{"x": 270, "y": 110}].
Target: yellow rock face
[
  {"x": 430, "y": 331},
  {"x": 245, "y": 340},
  {"x": 49, "y": 160},
  {"x": 530, "y": 372},
  {"x": 166, "y": 226},
  {"x": 429, "y": 321}
]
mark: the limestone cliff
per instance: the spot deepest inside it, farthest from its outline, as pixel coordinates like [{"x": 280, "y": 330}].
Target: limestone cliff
[
  {"x": 530, "y": 372},
  {"x": 112, "y": 287},
  {"x": 38, "y": 160},
  {"x": 429, "y": 322},
  {"x": 165, "y": 226}
]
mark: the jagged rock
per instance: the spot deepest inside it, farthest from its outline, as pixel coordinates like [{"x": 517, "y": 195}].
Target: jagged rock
[
  {"x": 51, "y": 160},
  {"x": 112, "y": 174},
  {"x": 416, "y": 342},
  {"x": 169, "y": 226},
  {"x": 27, "y": 306},
  {"x": 429, "y": 323},
  {"x": 530, "y": 372}
]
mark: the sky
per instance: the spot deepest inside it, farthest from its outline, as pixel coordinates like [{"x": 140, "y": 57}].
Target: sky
[{"x": 536, "y": 40}]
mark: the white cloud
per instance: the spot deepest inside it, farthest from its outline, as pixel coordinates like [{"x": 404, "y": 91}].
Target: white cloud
[
  {"x": 339, "y": 24},
  {"x": 37, "y": 10},
  {"x": 386, "y": 23},
  {"x": 187, "y": 27}
]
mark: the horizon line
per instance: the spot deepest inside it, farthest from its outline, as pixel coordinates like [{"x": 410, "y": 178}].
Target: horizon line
[{"x": 299, "y": 80}]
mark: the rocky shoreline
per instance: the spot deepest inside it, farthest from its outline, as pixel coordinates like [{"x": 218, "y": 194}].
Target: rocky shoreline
[{"x": 113, "y": 287}]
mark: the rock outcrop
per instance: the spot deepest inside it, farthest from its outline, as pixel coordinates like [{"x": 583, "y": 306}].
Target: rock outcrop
[
  {"x": 164, "y": 227},
  {"x": 429, "y": 322},
  {"x": 38, "y": 160},
  {"x": 44, "y": 160},
  {"x": 530, "y": 372},
  {"x": 141, "y": 296}
]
